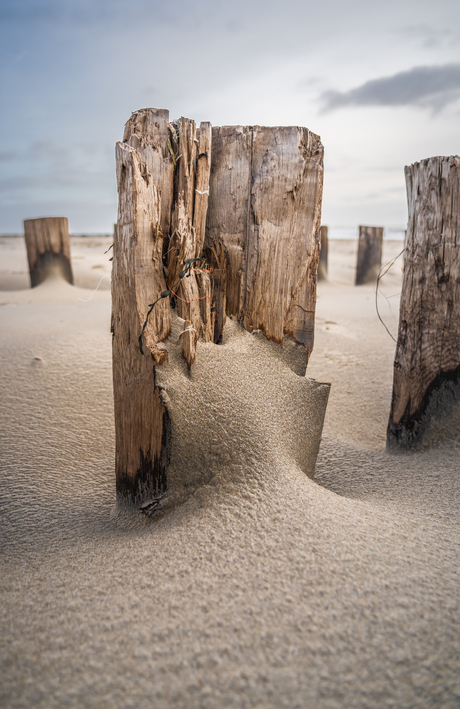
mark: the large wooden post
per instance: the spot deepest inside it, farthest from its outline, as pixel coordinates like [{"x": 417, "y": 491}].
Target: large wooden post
[
  {"x": 48, "y": 248},
  {"x": 322, "y": 265},
  {"x": 246, "y": 201},
  {"x": 427, "y": 361},
  {"x": 369, "y": 254}
]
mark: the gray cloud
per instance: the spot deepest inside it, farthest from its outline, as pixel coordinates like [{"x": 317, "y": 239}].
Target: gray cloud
[
  {"x": 430, "y": 37},
  {"x": 429, "y": 86}
]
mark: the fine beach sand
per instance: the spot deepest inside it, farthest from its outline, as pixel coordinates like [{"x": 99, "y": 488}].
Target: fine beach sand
[{"x": 265, "y": 588}]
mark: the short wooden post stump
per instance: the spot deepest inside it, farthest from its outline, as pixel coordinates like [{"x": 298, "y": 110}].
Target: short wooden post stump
[{"x": 426, "y": 381}]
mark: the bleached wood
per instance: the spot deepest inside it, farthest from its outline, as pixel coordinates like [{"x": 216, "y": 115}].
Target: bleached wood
[
  {"x": 203, "y": 173},
  {"x": 188, "y": 343},
  {"x": 205, "y": 291},
  {"x": 265, "y": 206},
  {"x": 141, "y": 419},
  {"x": 261, "y": 242},
  {"x": 229, "y": 205},
  {"x": 427, "y": 359},
  {"x": 48, "y": 247},
  {"x": 148, "y": 131},
  {"x": 369, "y": 262},
  {"x": 184, "y": 240}
]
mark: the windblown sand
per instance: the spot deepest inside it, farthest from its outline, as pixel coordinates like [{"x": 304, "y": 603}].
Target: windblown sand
[{"x": 264, "y": 588}]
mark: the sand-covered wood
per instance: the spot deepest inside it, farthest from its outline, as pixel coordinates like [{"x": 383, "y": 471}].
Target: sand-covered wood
[
  {"x": 369, "y": 254},
  {"x": 237, "y": 234},
  {"x": 322, "y": 265},
  {"x": 188, "y": 343},
  {"x": 48, "y": 247},
  {"x": 141, "y": 420},
  {"x": 427, "y": 361}
]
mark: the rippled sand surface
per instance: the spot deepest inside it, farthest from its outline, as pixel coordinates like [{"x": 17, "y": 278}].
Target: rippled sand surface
[{"x": 264, "y": 588}]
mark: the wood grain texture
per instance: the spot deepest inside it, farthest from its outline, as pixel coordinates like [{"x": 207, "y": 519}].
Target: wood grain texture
[
  {"x": 322, "y": 265},
  {"x": 369, "y": 262},
  {"x": 48, "y": 247},
  {"x": 141, "y": 419},
  {"x": 203, "y": 174},
  {"x": 427, "y": 360},
  {"x": 148, "y": 131},
  {"x": 188, "y": 343},
  {"x": 246, "y": 198},
  {"x": 229, "y": 205},
  {"x": 265, "y": 206}
]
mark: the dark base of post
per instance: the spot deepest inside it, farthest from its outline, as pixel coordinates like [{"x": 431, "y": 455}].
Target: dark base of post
[
  {"x": 439, "y": 403},
  {"x": 144, "y": 490},
  {"x": 49, "y": 263}
]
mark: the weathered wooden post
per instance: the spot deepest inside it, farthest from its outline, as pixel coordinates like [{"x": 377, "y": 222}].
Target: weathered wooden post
[
  {"x": 244, "y": 201},
  {"x": 322, "y": 265},
  {"x": 48, "y": 247},
  {"x": 369, "y": 254},
  {"x": 426, "y": 378}
]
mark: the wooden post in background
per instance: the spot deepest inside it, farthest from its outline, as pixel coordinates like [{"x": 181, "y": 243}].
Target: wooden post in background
[
  {"x": 249, "y": 200},
  {"x": 48, "y": 248},
  {"x": 322, "y": 265},
  {"x": 427, "y": 360},
  {"x": 369, "y": 254}
]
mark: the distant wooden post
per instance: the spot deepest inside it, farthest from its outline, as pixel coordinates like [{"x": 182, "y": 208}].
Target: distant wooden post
[
  {"x": 427, "y": 361},
  {"x": 369, "y": 254},
  {"x": 246, "y": 202},
  {"x": 322, "y": 265},
  {"x": 48, "y": 247}
]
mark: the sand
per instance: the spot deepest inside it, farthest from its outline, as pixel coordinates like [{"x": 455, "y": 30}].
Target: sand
[{"x": 262, "y": 588}]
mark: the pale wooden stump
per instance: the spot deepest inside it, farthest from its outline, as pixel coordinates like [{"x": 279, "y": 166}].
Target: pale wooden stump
[
  {"x": 48, "y": 248},
  {"x": 212, "y": 223},
  {"x": 426, "y": 381},
  {"x": 369, "y": 254}
]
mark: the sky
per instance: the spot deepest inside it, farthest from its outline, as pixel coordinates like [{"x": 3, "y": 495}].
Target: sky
[{"x": 378, "y": 81}]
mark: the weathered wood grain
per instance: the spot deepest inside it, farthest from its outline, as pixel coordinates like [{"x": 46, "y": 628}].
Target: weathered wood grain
[
  {"x": 217, "y": 257},
  {"x": 141, "y": 419},
  {"x": 369, "y": 263},
  {"x": 188, "y": 343},
  {"x": 322, "y": 265},
  {"x": 150, "y": 133},
  {"x": 48, "y": 247},
  {"x": 203, "y": 174},
  {"x": 229, "y": 205},
  {"x": 265, "y": 206},
  {"x": 246, "y": 198},
  {"x": 427, "y": 359},
  {"x": 183, "y": 243}
]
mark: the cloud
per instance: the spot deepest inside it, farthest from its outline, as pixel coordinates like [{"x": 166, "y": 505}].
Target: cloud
[
  {"x": 431, "y": 38},
  {"x": 428, "y": 86}
]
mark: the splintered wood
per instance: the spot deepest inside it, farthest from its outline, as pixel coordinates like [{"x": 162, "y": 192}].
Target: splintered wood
[
  {"x": 214, "y": 222},
  {"x": 48, "y": 247},
  {"x": 427, "y": 361}
]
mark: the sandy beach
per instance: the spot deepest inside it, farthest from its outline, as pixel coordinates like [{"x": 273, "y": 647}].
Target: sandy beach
[{"x": 265, "y": 588}]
